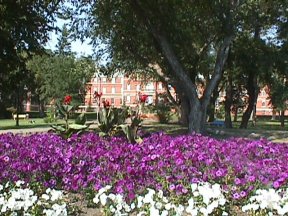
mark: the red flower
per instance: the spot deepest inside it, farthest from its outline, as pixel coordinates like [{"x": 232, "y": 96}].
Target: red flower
[
  {"x": 106, "y": 103},
  {"x": 98, "y": 95},
  {"x": 67, "y": 99},
  {"x": 143, "y": 98}
]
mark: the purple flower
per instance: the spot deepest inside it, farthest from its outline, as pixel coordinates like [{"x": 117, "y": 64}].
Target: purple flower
[
  {"x": 243, "y": 194},
  {"x": 237, "y": 181},
  {"x": 276, "y": 184},
  {"x": 236, "y": 196},
  {"x": 6, "y": 159},
  {"x": 172, "y": 187}
]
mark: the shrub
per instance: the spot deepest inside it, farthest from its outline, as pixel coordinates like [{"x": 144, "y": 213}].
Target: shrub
[{"x": 163, "y": 112}]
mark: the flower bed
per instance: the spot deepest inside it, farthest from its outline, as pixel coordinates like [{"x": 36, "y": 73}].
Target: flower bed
[{"x": 160, "y": 162}]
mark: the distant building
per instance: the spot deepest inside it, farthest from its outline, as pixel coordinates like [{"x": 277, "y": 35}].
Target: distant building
[{"x": 122, "y": 90}]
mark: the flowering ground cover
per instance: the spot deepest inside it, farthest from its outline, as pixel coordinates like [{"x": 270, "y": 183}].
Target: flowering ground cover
[{"x": 173, "y": 166}]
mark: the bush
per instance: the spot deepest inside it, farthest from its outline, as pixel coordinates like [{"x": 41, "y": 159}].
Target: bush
[{"x": 163, "y": 113}]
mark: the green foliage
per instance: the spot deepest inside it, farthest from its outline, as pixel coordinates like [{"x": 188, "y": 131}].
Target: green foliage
[
  {"x": 220, "y": 112},
  {"x": 112, "y": 121},
  {"x": 131, "y": 127},
  {"x": 67, "y": 130},
  {"x": 81, "y": 119},
  {"x": 24, "y": 28},
  {"x": 107, "y": 120},
  {"x": 58, "y": 75},
  {"x": 50, "y": 115},
  {"x": 163, "y": 113}
]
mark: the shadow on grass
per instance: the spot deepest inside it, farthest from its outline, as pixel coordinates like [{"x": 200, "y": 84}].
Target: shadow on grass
[{"x": 173, "y": 129}]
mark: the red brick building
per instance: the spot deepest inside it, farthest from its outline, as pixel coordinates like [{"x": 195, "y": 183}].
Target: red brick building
[{"x": 120, "y": 90}]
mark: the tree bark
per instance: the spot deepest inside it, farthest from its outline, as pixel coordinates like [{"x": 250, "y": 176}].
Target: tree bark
[
  {"x": 228, "y": 103},
  {"x": 184, "y": 110},
  {"x": 282, "y": 118},
  {"x": 252, "y": 90},
  {"x": 211, "y": 106},
  {"x": 198, "y": 107}
]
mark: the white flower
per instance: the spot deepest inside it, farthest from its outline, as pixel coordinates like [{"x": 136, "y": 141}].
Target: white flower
[
  {"x": 112, "y": 196},
  {"x": 165, "y": 200},
  {"x": 59, "y": 210},
  {"x": 160, "y": 194},
  {"x": 107, "y": 187},
  {"x": 194, "y": 187},
  {"x": 127, "y": 208},
  {"x": 48, "y": 212},
  {"x": 56, "y": 195},
  {"x": 158, "y": 205},
  {"x": 119, "y": 198},
  {"x": 1, "y": 187},
  {"x": 133, "y": 206},
  {"x": 103, "y": 199},
  {"x": 168, "y": 206},
  {"x": 139, "y": 201},
  {"x": 164, "y": 213},
  {"x": 112, "y": 209},
  {"x": 7, "y": 185},
  {"x": 148, "y": 198},
  {"x": 284, "y": 210},
  {"x": 204, "y": 211},
  {"x": 45, "y": 197},
  {"x": 96, "y": 199},
  {"x": 179, "y": 209},
  {"x": 19, "y": 183},
  {"x": 154, "y": 211}
]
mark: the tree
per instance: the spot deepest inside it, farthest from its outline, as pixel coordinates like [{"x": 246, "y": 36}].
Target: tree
[
  {"x": 177, "y": 36},
  {"x": 59, "y": 75},
  {"x": 24, "y": 27},
  {"x": 64, "y": 44}
]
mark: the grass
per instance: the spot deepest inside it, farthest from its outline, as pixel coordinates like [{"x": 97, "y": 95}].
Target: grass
[
  {"x": 265, "y": 129},
  {"x": 8, "y": 124}
]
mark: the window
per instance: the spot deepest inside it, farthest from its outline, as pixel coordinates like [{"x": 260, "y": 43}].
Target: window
[
  {"x": 120, "y": 100},
  {"x": 113, "y": 80},
  {"x": 104, "y": 90},
  {"x": 128, "y": 87},
  {"x": 160, "y": 86},
  {"x": 113, "y": 90},
  {"x": 150, "y": 87},
  {"x": 263, "y": 104},
  {"x": 128, "y": 99},
  {"x": 138, "y": 87},
  {"x": 112, "y": 100},
  {"x": 104, "y": 79}
]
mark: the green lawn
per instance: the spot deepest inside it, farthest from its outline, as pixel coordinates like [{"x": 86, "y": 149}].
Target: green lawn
[{"x": 6, "y": 124}]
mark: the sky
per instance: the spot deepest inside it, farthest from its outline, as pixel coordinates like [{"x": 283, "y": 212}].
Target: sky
[{"x": 76, "y": 46}]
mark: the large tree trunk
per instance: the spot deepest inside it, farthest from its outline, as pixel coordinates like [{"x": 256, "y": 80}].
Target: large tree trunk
[
  {"x": 198, "y": 107},
  {"x": 184, "y": 110},
  {"x": 197, "y": 118},
  {"x": 228, "y": 103},
  {"x": 252, "y": 91}
]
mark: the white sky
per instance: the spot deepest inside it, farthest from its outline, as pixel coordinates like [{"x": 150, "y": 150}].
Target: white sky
[{"x": 76, "y": 46}]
